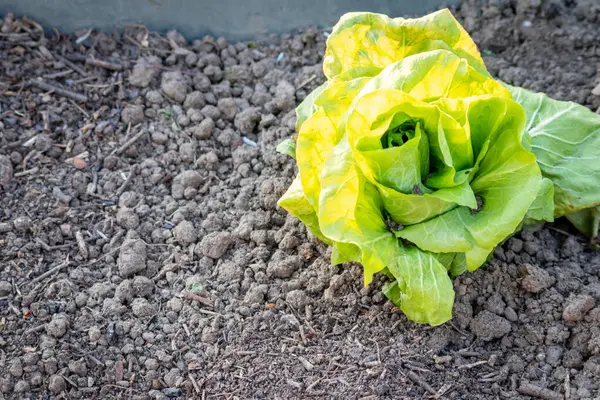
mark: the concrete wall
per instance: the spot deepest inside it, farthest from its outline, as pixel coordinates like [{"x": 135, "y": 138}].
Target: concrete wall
[{"x": 233, "y": 19}]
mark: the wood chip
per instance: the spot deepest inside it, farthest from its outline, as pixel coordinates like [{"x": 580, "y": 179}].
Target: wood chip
[
  {"x": 194, "y": 383},
  {"x": 83, "y": 251}
]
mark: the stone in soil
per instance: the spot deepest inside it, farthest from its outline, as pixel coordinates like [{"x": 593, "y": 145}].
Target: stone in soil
[
  {"x": 142, "y": 308},
  {"x": 577, "y": 306},
  {"x": 57, "y": 384},
  {"x": 284, "y": 268},
  {"x": 205, "y": 129},
  {"x": 247, "y": 120},
  {"x": 195, "y": 100},
  {"x": 22, "y": 223}
]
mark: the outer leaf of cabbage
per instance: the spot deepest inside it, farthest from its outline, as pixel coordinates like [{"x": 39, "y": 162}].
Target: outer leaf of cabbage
[
  {"x": 542, "y": 208},
  {"x": 312, "y": 102},
  {"x": 587, "y": 221},
  {"x": 287, "y": 147},
  {"x": 375, "y": 40},
  {"x": 307, "y": 107},
  {"x": 319, "y": 133},
  {"x": 422, "y": 287},
  {"x": 565, "y": 137},
  {"x": 350, "y": 211},
  {"x": 295, "y": 202}
]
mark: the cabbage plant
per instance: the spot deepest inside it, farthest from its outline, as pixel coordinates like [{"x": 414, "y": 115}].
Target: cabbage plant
[{"x": 416, "y": 163}]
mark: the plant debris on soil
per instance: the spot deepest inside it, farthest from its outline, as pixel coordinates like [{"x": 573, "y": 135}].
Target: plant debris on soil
[{"x": 143, "y": 255}]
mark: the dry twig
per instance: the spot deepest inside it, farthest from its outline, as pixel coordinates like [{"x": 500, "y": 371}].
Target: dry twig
[
  {"x": 128, "y": 143},
  {"x": 415, "y": 378},
  {"x": 58, "y": 90},
  {"x": 307, "y": 81},
  {"x": 50, "y": 271},
  {"x": 132, "y": 172},
  {"x": 195, "y": 297},
  {"x": 72, "y": 65},
  {"x": 94, "y": 62}
]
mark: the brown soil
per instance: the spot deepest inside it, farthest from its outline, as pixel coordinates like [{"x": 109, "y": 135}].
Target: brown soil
[{"x": 142, "y": 254}]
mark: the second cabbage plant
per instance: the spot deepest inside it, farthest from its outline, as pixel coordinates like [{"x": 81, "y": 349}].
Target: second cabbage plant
[{"x": 415, "y": 162}]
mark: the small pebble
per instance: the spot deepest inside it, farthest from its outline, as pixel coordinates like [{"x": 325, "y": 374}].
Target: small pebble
[
  {"x": 510, "y": 314},
  {"x": 577, "y": 306},
  {"x": 57, "y": 384}
]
